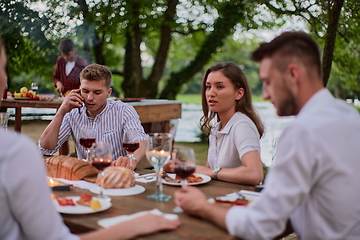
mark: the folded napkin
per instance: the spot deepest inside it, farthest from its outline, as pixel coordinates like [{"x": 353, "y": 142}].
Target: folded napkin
[
  {"x": 80, "y": 184},
  {"x": 108, "y": 222},
  {"x": 249, "y": 195},
  {"x": 150, "y": 177}
]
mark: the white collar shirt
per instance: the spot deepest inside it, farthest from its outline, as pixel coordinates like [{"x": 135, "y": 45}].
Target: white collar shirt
[
  {"x": 226, "y": 147},
  {"x": 315, "y": 179}
]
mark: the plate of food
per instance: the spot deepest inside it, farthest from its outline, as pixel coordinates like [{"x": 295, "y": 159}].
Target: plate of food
[
  {"x": 83, "y": 204},
  {"x": 137, "y": 189},
  {"x": 241, "y": 198},
  {"x": 194, "y": 179}
]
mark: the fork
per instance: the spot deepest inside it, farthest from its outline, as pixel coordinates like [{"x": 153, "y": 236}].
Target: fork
[{"x": 239, "y": 194}]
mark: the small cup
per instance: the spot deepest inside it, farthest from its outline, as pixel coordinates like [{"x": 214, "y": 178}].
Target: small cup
[{"x": 4, "y": 118}]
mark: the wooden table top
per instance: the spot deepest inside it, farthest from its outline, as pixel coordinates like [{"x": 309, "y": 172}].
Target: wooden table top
[{"x": 191, "y": 227}]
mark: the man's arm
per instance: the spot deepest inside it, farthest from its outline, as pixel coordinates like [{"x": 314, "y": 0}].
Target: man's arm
[
  {"x": 49, "y": 138},
  {"x": 194, "y": 202}
]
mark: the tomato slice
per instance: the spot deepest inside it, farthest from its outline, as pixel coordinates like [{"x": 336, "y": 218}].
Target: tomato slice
[
  {"x": 85, "y": 197},
  {"x": 65, "y": 202}
]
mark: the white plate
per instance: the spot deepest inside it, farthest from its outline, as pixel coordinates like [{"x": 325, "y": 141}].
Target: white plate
[
  {"x": 205, "y": 178},
  {"x": 80, "y": 209},
  {"x": 119, "y": 191}
]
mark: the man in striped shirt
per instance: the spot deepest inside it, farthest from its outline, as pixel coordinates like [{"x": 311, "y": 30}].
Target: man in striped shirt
[{"x": 107, "y": 117}]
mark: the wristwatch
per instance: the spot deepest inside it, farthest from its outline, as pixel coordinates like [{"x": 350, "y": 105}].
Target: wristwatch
[{"x": 216, "y": 171}]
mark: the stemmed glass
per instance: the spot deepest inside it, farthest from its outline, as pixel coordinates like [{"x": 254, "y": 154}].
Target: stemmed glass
[
  {"x": 184, "y": 163},
  {"x": 87, "y": 138},
  {"x": 131, "y": 142},
  {"x": 158, "y": 153},
  {"x": 101, "y": 158},
  {"x": 184, "y": 166},
  {"x": 34, "y": 87}
]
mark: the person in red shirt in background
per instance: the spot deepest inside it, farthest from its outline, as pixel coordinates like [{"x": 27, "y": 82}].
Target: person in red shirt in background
[{"x": 68, "y": 67}]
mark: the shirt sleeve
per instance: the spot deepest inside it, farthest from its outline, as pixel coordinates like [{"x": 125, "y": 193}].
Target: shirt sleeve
[
  {"x": 246, "y": 138},
  {"x": 56, "y": 74},
  {"x": 64, "y": 134},
  {"x": 287, "y": 186},
  {"x": 132, "y": 120},
  {"x": 29, "y": 194}
]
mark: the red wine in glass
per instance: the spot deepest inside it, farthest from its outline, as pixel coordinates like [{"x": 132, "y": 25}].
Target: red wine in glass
[
  {"x": 87, "y": 142},
  {"x": 101, "y": 165},
  {"x": 184, "y": 171},
  {"x": 131, "y": 146}
]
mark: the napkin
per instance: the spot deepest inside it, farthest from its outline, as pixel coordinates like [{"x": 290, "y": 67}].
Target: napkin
[
  {"x": 80, "y": 184},
  {"x": 249, "y": 195},
  {"x": 150, "y": 177},
  {"x": 108, "y": 222}
]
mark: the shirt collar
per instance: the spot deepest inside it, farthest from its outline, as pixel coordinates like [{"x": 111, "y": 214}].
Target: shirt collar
[{"x": 234, "y": 119}]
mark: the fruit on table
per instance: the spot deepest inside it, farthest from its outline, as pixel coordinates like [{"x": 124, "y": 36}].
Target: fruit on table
[
  {"x": 24, "y": 90},
  {"x": 18, "y": 95},
  {"x": 95, "y": 204}
]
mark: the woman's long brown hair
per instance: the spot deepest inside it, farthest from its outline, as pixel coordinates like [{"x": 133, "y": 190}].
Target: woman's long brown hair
[{"x": 244, "y": 105}]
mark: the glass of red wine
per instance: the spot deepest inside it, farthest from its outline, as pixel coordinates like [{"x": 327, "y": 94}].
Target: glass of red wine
[
  {"x": 101, "y": 158},
  {"x": 87, "y": 138},
  {"x": 131, "y": 142},
  {"x": 184, "y": 166}
]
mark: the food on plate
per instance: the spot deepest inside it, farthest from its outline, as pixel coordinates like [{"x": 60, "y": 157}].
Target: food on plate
[
  {"x": 65, "y": 202},
  {"x": 24, "y": 90},
  {"x": 43, "y": 97},
  {"x": 95, "y": 204},
  {"x": 117, "y": 177},
  {"x": 85, "y": 199},
  {"x": 25, "y": 93},
  {"x": 193, "y": 178},
  {"x": 70, "y": 168}
]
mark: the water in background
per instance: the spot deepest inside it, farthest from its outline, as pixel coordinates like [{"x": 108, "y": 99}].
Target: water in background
[{"x": 188, "y": 127}]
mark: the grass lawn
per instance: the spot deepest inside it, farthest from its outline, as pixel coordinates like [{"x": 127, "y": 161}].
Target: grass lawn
[{"x": 200, "y": 149}]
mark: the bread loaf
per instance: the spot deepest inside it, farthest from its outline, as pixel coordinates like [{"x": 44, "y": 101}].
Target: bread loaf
[
  {"x": 117, "y": 177},
  {"x": 70, "y": 168}
]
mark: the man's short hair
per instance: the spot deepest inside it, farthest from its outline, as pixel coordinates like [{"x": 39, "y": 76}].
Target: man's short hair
[
  {"x": 66, "y": 45},
  {"x": 289, "y": 45},
  {"x": 96, "y": 72}
]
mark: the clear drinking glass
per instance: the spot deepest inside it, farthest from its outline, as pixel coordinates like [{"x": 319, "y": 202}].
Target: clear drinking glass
[
  {"x": 184, "y": 163},
  {"x": 87, "y": 138},
  {"x": 184, "y": 166},
  {"x": 131, "y": 142},
  {"x": 4, "y": 118},
  {"x": 34, "y": 87},
  {"x": 101, "y": 158},
  {"x": 158, "y": 153}
]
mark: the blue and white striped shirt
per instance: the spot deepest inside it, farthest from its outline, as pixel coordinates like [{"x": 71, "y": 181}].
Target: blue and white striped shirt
[{"x": 109, "y": 126}]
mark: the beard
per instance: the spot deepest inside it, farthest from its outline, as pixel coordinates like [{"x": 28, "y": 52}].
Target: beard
[{"x": 287, "y": 103}]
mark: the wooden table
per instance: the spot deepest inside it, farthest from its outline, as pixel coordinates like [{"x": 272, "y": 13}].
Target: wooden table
[
  {"x": 150, "y": 111},
  {"x": 155, "y": 115},
  {"x": 191, "y": 227}
]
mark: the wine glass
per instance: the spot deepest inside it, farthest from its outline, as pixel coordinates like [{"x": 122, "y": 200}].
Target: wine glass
[
  {"x": 158, "y": 153},
  {"x": 184, "y": 164},
  {"x": 34, "y": 87},
  {"x": 87, "y": 138},
  {"x": 131, "y": 142},
  {"x": 101, "y": 158}
]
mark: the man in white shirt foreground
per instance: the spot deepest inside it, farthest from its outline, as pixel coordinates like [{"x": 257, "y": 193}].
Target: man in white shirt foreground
[{"x": 313, "y": 187}]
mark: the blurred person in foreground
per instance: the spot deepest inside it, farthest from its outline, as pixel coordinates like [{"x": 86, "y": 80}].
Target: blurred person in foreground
[
  {"x": 68, "y": 67},
  {"x": 312, "y": 188},
  {"x": 234, "y": 140},
  {"x": 26, "y": 210},
  {"x": 107, "y": 117}
]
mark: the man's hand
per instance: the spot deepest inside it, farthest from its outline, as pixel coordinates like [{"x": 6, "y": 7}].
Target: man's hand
[
  {"x": 124, "y": 162},
  {"x": 169, "y": 166},
  {"x": 71, "y": 101},
  {"x": 191, "y": 200},
  {"x": 59, "y": 87}
]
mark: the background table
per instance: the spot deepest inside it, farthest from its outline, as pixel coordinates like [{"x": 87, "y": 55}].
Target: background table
[{"x": 191, "y": 227}]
